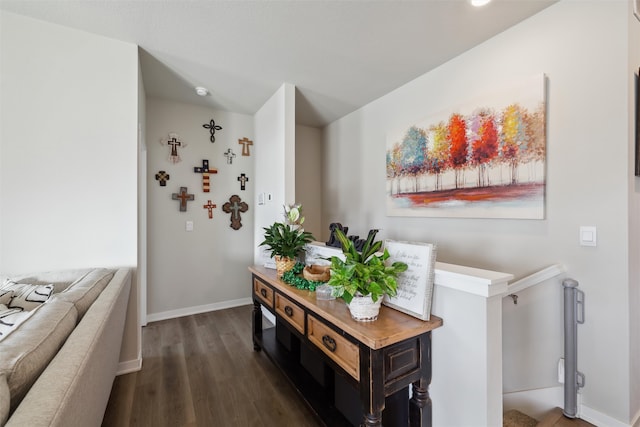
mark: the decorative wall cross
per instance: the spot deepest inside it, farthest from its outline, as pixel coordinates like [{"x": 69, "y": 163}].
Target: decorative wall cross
[
  {"x": 205, "y": 171},
  {"x": 246, "y": 142},
  {"x": 210, "y": 206},
  {"x": 162, "y": 177},
  {"x": 212, "y": 129},
  {"x": 174, "y": 143},
  {"x": 229, "y": 155},
  {"x": 184, "y": 197},
  {"x": 243, "y": 180},
  {"x": 234, "y": 206}
]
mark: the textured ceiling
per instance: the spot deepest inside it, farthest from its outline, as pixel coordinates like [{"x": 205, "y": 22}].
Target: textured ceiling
[{"x": 340, "y": 55}]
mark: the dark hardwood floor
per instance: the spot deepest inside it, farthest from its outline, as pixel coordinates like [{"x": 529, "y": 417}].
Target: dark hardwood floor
[{"x": 201, "y": 370}]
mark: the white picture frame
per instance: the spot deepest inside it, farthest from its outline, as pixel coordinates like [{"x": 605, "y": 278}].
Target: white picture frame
[{"x": 415, "y": 285}]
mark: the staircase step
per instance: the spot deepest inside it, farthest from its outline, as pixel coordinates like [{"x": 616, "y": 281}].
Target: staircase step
[{"x": 515, "y": 418}]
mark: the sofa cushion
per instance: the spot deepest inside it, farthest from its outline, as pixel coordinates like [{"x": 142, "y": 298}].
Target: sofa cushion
[
  {"x": 26, "y": 296},
  {"x": 61, "y": 279},
  {"x": 84, "y": 291},
  {"x": 26, "y": 352},
  {"x": 5, "y": 296}
]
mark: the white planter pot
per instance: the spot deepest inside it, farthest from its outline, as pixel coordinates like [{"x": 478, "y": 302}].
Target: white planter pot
[{"x": 363, "y": 309}]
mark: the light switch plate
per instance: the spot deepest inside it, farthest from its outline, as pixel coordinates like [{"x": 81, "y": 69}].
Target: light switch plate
[
  {"x": 588, "y": 236},
  {"x": 188, "y": 226}
]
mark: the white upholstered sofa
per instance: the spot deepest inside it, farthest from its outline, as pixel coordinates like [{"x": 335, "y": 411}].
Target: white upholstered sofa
[{"x": 57, "y": 366}]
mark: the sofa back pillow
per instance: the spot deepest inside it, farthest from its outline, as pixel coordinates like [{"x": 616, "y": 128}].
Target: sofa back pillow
[
  {"x": 10, "y": 319},
  {"x": 26, "y": 296}
]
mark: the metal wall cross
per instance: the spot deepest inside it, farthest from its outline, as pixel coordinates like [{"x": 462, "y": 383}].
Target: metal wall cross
[
  {"x": 229, "y": 155},
  {"x": 184, "y": 197},
  {"x": 212, "y": 129}
]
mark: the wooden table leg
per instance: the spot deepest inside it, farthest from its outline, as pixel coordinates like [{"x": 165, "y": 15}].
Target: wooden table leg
[
  {"x": 420, "y": 407},
  {"x": 372, "y": 420},
  {"x": 257, "y": 326}
]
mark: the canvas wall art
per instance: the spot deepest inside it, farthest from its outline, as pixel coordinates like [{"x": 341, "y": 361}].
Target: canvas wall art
[{"x": 481, "y": 159}]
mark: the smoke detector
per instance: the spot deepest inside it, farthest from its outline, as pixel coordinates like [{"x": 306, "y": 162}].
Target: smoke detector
[{"x": 202, "y": 91}]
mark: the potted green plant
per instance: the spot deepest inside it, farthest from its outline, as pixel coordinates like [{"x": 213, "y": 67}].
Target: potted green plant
[
  {"x": 362, "y": 279},
  {"x": 286, "y": 240}
]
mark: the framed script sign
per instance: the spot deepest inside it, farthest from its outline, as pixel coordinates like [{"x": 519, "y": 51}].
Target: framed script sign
[{"x": 415, "y": 285}]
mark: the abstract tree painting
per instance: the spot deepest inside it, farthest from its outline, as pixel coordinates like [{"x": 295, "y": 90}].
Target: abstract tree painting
[{"x": 482, "y": 159}]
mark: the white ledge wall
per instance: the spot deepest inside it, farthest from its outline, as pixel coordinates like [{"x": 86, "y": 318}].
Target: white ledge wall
[{"x": 467, "y": 349}]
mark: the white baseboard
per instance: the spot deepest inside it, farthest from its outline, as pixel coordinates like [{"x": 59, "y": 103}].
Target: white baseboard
[
  {"x": 187, "y": 311},
  {"x": 598, "y": 418},
  {"x": 129, "y": 366},
  {"x": 536, "y": 403}
]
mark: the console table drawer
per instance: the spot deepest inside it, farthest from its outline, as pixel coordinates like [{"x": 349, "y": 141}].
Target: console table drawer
[
  {"x": 290, "y": 312},
  {"x": 343, "y": 352},
  {"x": 264, "y": 292}
]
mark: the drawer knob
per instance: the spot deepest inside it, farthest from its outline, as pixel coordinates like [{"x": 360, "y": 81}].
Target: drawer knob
[
  {"x": 288, "y": 310},
  {"x": 329, "y": 342},
  {"x": 263, "y": 292}
]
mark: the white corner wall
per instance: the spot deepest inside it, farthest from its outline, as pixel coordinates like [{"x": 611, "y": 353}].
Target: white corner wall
[
  {"x": 275, "y": 172},
  {"x": 309, "y": 178},
  {"x": 69, "y": 148},
  {"x": 583, "y": 48},
  {"x": 204, "y": 269},
  {"x": 634, "y": 219}
]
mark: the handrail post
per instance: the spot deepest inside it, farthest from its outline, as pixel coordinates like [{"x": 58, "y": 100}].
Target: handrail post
[{"x": 573, "y": 315}]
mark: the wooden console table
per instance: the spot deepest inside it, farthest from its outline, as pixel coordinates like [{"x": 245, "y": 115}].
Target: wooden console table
[{"x": 378, "y": 359}]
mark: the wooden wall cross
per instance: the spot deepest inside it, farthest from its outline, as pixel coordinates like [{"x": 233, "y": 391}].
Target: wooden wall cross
[
  {"x": 246, "y": 142},
  {"x": 229, "y": 155},
  {"x": 205, "y": 171},
  {"x": 234, "y": 206},
  {"x": 184, "y": 197},
  {"x": 162, "y": 177},
  {"x": 210, "y": 206},
  {"x": 243, "y": 180}
]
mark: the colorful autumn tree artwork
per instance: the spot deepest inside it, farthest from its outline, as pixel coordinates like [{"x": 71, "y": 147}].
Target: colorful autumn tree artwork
[
  {"x": 458, "y": 147},
  {"x": 487, "y": 158}
]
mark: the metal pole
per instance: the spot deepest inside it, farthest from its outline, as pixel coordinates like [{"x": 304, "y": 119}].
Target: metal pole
[{"x": 573, "y": 315}]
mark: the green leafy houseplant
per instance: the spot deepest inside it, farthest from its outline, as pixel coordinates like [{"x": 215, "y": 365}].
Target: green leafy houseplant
[
  {"x": 285, "y": 240},
  {"x": 363, "y": 273}
]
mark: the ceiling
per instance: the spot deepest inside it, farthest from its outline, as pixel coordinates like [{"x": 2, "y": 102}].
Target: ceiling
[{"x": 340, "y": 55}]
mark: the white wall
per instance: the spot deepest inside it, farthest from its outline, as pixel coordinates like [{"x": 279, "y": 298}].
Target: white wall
[
  {"x": 582, "y": 47},
  {"x": 634, "y": 220},
  {"x": 309, "y": 178},
  {"x": 205, "y": 269},
  {"x": 69, "y": 150},
  {"x": 68, "y": 170},
  {"x": 275, "y": 172}
]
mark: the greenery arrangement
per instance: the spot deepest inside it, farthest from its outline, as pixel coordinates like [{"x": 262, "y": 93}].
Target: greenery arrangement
[
  {"x": 293, "y": 278},
  {"x": 287, "y": 239},
  {"x": 363, "y": 273}
]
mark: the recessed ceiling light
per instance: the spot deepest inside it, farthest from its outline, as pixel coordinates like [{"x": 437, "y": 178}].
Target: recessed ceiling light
[
  {"x": 202, "y": 91},
  {"x": 478, "y": 3}
]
